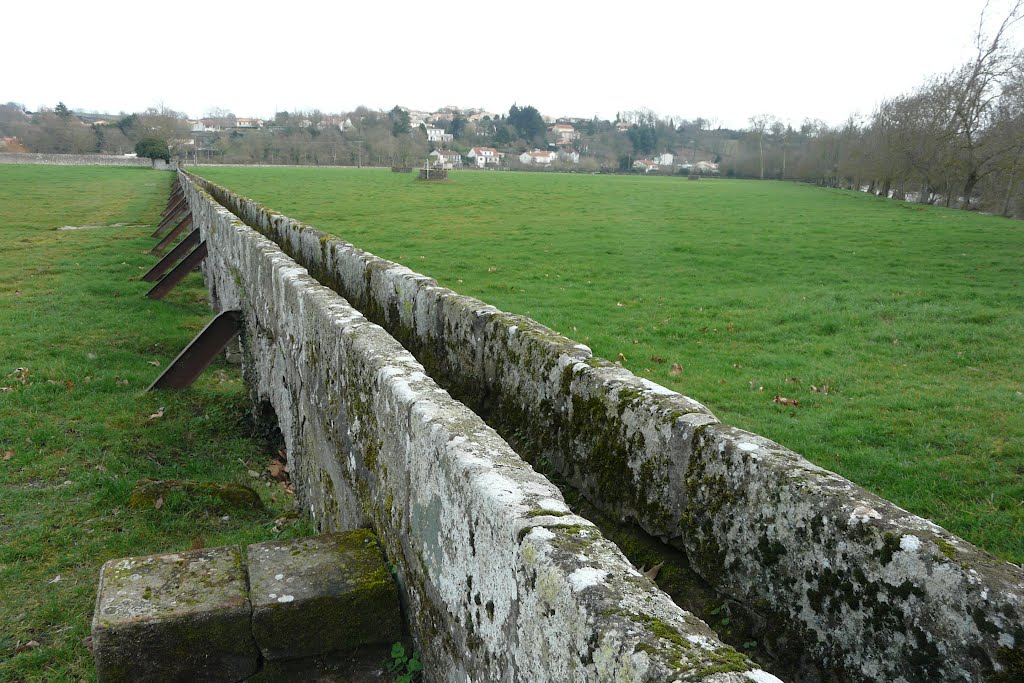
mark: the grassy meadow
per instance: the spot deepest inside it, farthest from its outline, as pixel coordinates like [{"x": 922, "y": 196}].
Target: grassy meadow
[
  {"x": 896, "y": 327},
  {"x": 79, "y": 345}
]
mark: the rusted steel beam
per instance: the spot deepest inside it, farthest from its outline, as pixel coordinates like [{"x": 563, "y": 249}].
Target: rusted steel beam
[
  {"x": 200, "y": 352},
  {"x": 172, "y": 257},
  {"x": 175, "y": 195},
  {"x": 173, "y": 205},
  {"x": 185, "y": 223},
  {"x": 179, "y": 208},
  {"x": 171, "y": 280}
]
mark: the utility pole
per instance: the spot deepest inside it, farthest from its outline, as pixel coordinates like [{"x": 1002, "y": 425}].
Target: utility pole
[{"x": 359, "y": 146}]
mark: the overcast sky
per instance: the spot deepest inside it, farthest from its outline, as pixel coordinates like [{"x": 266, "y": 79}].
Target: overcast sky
[{"x": 725, "y": 61}]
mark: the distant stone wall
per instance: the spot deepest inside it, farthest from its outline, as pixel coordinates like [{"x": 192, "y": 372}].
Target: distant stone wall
[
  {"x": 838, "y": 582},
  {"x": 82, "y": 160},
  {"x": 502, "y": 581}
]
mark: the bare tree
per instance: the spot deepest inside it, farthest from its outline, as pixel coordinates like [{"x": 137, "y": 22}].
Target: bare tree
[
  {"x": 758, "y": 126},
  {"x": 974, "y": 90}
]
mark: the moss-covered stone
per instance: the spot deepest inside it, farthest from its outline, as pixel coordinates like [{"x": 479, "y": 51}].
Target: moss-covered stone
[
  {"x": 148, "y": 491},
  {"x": 318, "y": 595},
  {"x": 174, "y": 617}
]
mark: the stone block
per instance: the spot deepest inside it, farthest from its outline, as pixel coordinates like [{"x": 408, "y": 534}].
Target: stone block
[
  {"x": 174, "y": 617},
  {"x": 314, "y": 596}
]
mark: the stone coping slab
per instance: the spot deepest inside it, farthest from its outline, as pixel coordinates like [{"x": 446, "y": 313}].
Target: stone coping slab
[
  {"x": 174, "y": 617},
  {"x": 189, "y": 617},
  {"x": 310, "y": 594}
]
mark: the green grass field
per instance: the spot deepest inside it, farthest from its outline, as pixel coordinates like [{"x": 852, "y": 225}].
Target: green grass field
[
  {"x": 78, "y": 347},
  {"x": 911, "y": 316}
]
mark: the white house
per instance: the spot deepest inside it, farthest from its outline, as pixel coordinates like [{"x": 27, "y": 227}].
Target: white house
[
  {"x": 564, "y": 133},
  {"x": 484, "y": 156},
  {"x": 569, "y": 155},
  {"x": 438, "y": 135},
  {"x": 248, "y": 123},
  {"x": 665, "y": 159},
  {"x": 537, "y": 157},
  {"x": 706, "y": 168},
  {"x": 446, "y": 158},
  {"x": 645, "y": 165}
]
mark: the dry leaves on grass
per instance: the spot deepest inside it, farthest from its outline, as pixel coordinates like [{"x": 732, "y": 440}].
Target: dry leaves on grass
[
  {"x": 783, "y": 401},
  {"x": 675, "y": 369},
  {"x": 25, "y": 647},
  {"x": 155, "y": 416},
  {"x": 8, "y": 455},
  {"x": 658, "y": 359},
  {"x": 823, "y": 389},
  {"x": 159, "y": 502},
  {"x": 278, "y": 466},
  {"x": 155, "y": 363},
  {"x": 19, "y": 375}
]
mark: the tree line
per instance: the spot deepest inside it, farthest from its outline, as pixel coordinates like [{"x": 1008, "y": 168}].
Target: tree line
[{"x": 957, "y": 139}]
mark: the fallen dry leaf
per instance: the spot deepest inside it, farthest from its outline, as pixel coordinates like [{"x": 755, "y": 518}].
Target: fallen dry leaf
[
  {"x": 159, "y": 502},
  {"x": 622, "y": 358},
  {"x": 154, "y": 363},
  {"x": 19, "y": 375},
  {"x": 792, "y": 380},
  {"x": 157, "y": 415},
  {"x": 657, "y": 359},
  {"x": 823, "y": 389},
  {"x": 122, "y": 382},
  {"x": 278, "y": 470},
  {"x": 30, "y": 645},
  {"x": 675, "y": 369},
  {"x": 782, "y": 400},
  {"x": 8, "y": 455},
  {"x": 70, "y": 385},
  {"x": 652, "y": 573},
  {"x": 6, "y": 390},
  {"x": 56, "y": 579}
]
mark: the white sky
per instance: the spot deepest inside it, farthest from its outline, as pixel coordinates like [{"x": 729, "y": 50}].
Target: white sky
[{"x": 723, "y": 60}]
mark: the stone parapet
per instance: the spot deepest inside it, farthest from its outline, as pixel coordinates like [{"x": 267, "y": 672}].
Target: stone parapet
[
  {"x": 501, "y": 580},
  {"x": 834, "y": 579}
]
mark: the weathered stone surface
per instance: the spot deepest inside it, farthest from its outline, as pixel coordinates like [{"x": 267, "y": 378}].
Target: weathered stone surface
[
  {"x": 367, "y": 664},
  {"x": 314, "y": 596},
  {"x": 501, "y": 580},
  {"x": 175, "y": 617},
  {"x": 806, "y": 554}
]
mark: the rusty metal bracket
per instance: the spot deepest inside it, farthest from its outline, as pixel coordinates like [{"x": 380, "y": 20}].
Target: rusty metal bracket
[
  {"x": 175, "y": 196},
  {"x": 172, "y": 235},
  {"x": 172, "y": 257},
  {"x": 179, "y": 208},
  {"x": 200, "y": 352},
  {"x": 171, "y": 280}
]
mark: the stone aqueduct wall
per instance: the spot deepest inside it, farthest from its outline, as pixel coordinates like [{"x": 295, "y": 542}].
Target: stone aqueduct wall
[
  {"x": 502, "y": 581},
  {"x": 80, "y": 160},
  {"x": 841, "y": 583}
]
